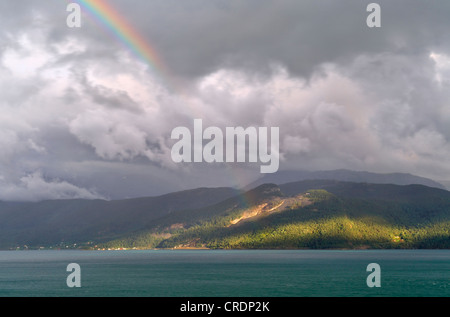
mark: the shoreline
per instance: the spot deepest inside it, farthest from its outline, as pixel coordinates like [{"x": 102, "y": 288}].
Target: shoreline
[{"x": 232, "y": 249}]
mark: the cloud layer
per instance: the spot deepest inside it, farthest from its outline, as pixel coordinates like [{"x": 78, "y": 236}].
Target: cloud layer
[{"x": 81, "y": 117}]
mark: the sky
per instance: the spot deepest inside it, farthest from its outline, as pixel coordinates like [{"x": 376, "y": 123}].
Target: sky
[{"x": 83, "y": 116}]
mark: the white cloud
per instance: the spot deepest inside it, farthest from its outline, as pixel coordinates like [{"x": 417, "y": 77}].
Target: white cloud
[
  {"x": 442, "y": 68},
  {"x": 34, "y": 187}
]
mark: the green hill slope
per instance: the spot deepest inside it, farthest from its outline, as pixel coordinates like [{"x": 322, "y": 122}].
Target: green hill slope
[
  {"x": 311, "y": 214},
  {"x": 305, "y": 214}
]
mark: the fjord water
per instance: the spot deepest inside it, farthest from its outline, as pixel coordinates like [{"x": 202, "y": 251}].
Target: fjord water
[{"x": 235, "y": 273}]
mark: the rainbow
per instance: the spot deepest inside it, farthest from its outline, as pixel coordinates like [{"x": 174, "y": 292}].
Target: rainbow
[
  {"x": 125, "y": 33},
  {"x": 106, "y": 15}
]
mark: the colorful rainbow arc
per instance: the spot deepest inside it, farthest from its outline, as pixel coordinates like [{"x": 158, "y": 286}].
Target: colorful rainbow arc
[{"x": 122, "y": 30}]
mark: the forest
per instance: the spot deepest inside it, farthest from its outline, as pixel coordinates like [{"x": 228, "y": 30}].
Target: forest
[{"x": 327, "y": 221}]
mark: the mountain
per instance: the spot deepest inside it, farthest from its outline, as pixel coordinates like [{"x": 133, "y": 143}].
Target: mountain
[
  {"x": 76, "y": 221},
  {"x": 445, "y": 183},
  {"x": 328, "y": 214},
  {"x": 344, "y": 175},
  {"x": 302, "y": 214}
]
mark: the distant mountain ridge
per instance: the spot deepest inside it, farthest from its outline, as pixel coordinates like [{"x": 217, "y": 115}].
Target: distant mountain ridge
[
  {"x": 344, "y": 175},
  {"x": 318, "y": 213},
  {"x": 79, "y": 220}
]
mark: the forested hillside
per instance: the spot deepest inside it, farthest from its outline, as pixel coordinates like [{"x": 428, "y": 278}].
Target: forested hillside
[
  {"x": 310, "y": 214},
  {"x": 304, "y": 214}
]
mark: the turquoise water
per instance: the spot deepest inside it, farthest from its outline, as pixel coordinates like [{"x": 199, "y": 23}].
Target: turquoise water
[{"x": 211, "y": 273}]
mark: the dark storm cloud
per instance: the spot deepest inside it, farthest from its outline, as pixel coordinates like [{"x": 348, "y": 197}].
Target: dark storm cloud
[{"x": 198, "y": 37}]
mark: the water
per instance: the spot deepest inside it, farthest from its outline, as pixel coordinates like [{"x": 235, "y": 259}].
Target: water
[{"x": 208, "y": 273}]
